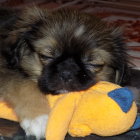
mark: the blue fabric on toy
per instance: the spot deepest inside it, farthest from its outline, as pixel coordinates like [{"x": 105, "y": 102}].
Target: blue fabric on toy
[
  {"x": 136, "y": 124},
  {"x": 124, "y": 98}
]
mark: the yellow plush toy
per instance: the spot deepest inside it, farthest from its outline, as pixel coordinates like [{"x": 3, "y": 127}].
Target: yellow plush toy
[{"x": 105, "y": 109}]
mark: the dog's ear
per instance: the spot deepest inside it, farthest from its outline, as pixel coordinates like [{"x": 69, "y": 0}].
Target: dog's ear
[
  {"x": 20, "y": 35},
  {"x": 120, "y": 56},
  {"x": 13, "y": 53},
  {"x": 29, "y": 21}
]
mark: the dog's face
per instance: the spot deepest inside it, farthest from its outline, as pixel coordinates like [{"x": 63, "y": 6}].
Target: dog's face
[{"x": 66, "y": 50}]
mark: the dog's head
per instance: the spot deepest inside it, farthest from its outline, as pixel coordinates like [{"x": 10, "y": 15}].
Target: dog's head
[{"x": 65, "y": 50}]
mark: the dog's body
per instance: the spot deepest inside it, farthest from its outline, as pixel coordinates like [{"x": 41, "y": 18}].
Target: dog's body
[{"x": 54, "y": 52}]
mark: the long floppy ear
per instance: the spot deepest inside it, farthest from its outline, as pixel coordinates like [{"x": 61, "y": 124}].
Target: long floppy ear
[
  {"x": 20, "y": 35},
  {"x": 12, "y": 54},
  {"x": 121, "y": 59}
]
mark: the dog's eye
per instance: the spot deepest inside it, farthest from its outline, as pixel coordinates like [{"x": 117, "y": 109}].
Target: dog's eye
[
  {"x": 95, "y": 67},
  {"x": 44, "y": 57}
]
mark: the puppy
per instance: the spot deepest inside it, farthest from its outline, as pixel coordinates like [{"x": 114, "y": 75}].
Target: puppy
[{"x": 51, "y": 53}]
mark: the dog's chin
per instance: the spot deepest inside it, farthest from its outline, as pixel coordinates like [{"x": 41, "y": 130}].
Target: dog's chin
[
  {"x": 61, "y": 91},
  {"x": 51, "y": 86},
  {"x": 65, "y": 89},
  {"x": 56, "y": 92}
]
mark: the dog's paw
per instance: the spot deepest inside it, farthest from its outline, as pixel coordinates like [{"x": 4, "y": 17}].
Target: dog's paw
[{"x": 35, "y": 127}]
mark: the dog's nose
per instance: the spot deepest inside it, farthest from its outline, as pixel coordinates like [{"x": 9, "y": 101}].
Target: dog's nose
[{"x": 66, "y": 76}]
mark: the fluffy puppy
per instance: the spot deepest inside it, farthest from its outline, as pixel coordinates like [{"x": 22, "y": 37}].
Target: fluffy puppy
[{"x": 51, "y": 53}]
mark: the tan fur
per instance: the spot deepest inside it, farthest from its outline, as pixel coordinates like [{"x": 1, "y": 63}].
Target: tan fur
[
  {"x": 102, "y": 56},
  {"x": 44, "y": 45},
  {"x": 32, "y": 65},
  {"x": 23, "y": 95},
  {"x": 104, "y": 73}
]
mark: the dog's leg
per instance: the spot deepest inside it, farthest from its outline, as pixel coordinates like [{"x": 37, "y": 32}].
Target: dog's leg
[{"x": 28, "y": 102}]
